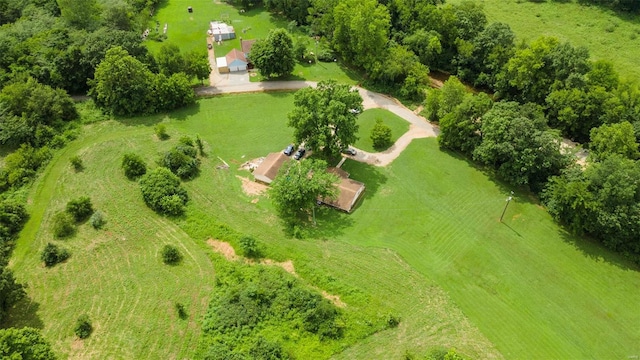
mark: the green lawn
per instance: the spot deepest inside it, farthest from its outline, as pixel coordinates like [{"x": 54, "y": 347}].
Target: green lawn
[
  {"x": 424, "y": 243},
  {"x": 609, "y": 36},
  {"x": 367, "y": 120}
]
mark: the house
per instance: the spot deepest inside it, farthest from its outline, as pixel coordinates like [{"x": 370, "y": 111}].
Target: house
[
  {"x": 221, "y": 31},
  {"x": 236, "y": 61},
  {"x": 349, "y": 191},
  {"x": 268, "y": 169}
]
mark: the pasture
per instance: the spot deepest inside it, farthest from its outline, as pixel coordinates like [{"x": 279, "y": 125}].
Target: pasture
[
  {"x": 425, "y": 244},
  {"x": 608, "y": 35}
]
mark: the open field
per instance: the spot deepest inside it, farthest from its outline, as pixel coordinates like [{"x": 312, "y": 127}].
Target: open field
[
  {"x": 607, "y": 35},
  {"x": 367, "y": 120},
  {"x": 424, "y": 243},
  {"x": 189, "y": 32}
]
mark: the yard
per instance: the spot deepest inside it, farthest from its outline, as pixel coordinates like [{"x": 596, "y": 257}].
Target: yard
[{"x": 425, "y": 244}]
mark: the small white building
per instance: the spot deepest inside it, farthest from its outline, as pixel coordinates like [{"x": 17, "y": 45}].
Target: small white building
[
  {"x": 221, "y": 63},
  {"x": 221, "y": 31}
]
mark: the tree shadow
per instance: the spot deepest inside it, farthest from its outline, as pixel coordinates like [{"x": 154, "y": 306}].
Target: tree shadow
[
  {"x": 370, "y": 175},
  {"x": 23, "y": 313},
  {"x": 152, "y": 120},
  {"x": 597, "y": 252}
]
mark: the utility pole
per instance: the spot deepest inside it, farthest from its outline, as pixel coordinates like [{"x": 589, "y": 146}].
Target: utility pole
[{"x": 505, "y": 207}]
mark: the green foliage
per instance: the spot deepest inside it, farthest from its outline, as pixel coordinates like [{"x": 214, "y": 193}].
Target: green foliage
[
  {"x": 63, "y": 224},
  {"x": 10, "y": 291},
  {"x": 182, "y": 311},
  {"x": 80, "y": 208},
  {"x": 133, "y": 166},
  {"x": 21, "y": 165},
  {"x": 182, "y": 159},
  {"x": 24, "y": 344},
  {"x": 53, "y": 254},
  {"x": 97, "y": 220},
  {"x": 200, "y": 145},
  {"x": 297, "y": 187},
  {"x": 251, "y": 299},
  {"x": 460, "y": 130},
  {"x": 171, "y": 255},
  {"x": 162, "y": 192},
  {"x": 161, "y": 131},
  {"x": 169, "y": 60},
  {"x": 197, "y": 65},
  {"x": 613, "y": 139},
  {"x": 324, "y": 117},
  {"x": 381, "y": 135},
  {"x": 392, "y": 321},
  {"x": 76, "y": 162},
  {"x": 83, "y": 328},
  {"x": 13, "y": 216},
  {"x": 250, "y": 247},
  {"x": 274, "y": 56}
]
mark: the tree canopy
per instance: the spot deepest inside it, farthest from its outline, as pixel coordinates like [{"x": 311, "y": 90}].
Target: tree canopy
[
  {"x": 274, "y": 56},
  {"x": 324, "y": 117}
]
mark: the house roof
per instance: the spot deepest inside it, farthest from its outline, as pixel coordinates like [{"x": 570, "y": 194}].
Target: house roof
[
  {"x": 234, "y": 55},
  {"x": 349, "y": 191},
  {"x": 221, "y": 28},
  {"x": 246, "y": 45},
  {"x": 268, "y": 169}
]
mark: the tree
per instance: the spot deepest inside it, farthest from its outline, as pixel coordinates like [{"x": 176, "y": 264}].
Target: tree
[
  {"x": 25, "y": 344},
  {"x": 80, "y": 208},
  {"x": 13, "y": 216},
  {"x": 298, "y": 186},
  {"x": 197, "y": 65},
  {"x": 10, "y": 290},
  {"x": 162, "y": 192},
  {"x": 361, "y": 32},
  {"x": 250, "y": 247},
  {"x": 169, "y": 60},
  {"x": 171, "y": 255},
  {"x": 612, "y": 139},
  {"x": 274, "y": 56},
  {"x": 83, "y": 327},
  {"x": 53, "y": 254},
  {"x": 460, "y": 129},
  {"x": 518, "y": 144},
  {"x": 133, "y": 166},
  {"x": 82, "y": 14},
  {"x": 122, "y": 84},
  {"x": 172, "y": 92},
  {"x": 380, "y": 135},
  {"x": 182, "y": 160},
  {"x": 63, "y": 224},
  {"x": 324, "y": 117}
]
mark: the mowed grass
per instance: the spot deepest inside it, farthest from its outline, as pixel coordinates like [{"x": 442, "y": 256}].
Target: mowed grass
[
  {"x": 367, "y": 120},
  {"x": 608, "y": 35},
  {"x": 533, "y": 290},
  {"x": 424, "y": 244}
]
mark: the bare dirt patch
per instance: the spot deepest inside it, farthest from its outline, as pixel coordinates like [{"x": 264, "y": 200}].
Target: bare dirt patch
[
  {"x": 223, "y": 248},
  {"x": 286, "y": 265},
  {"x": 252, "y": 188},
  {"x": 251, "y": 164}
]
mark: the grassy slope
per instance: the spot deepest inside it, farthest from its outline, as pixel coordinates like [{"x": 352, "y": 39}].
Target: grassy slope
[
  {"x": 531, "y": 289},
  {"x": 367, "y": 120},
  {"x": 581, "y": 25}
]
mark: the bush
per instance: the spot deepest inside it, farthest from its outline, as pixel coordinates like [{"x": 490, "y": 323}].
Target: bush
[
  {"x": 250, "y": 247},
  {"x": 162, "y": 192},
  {"x": 52, "y": 254},
  {"x": 200, "y": 145},
  {"x": 171, "y": 255},
  {"x": 83, "y": 327},
  {"x": 161, "y": 132},
  {"x": 182, "y": 159},
  {"x": 380, "y": 135},
  {"x": 392, "y": 321},
  {"x": 13, "y": 215},
  {"x": 133, "y": 166},
  {"x": 97, "y": 220},
  {"x": 80, "y": 208},
  {"x": 63, "y": 224},
  {"x": 76, "y": 162},
  {"x": 182, "y": 312}
]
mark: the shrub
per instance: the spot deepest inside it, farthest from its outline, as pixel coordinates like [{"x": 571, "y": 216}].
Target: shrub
[
  {"x": 171, "y": 255},
  {"x": 76, "y": 162},
  {"x": 380, "y": 135},
  {"x": 392, "y": 321},
  {"x": 80, "y": 208},
  {"x": 161, "y": 132},
  {"x": 63, "y": 224},
  {"x": 13, "y": 215},
  {"x": 182, "y": 312},
  {"x": 182, "y": 159},
  {"x": 162, "y": 192},
  {"x": 133, "y": 166},
  {"x": 52, "y": 254},
  {"x": 250, "y": 247},
  {"x": 97, "y": 220},
  {"x": 83, "y": 327},
  {"x": 200, "y": 145}
]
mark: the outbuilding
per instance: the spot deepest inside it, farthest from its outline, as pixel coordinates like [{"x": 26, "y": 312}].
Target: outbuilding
[
  {"x": 221, "y": 31},
  {"x": 236, "y": 61},
  {"x": 269, "y": 167},
  {"x": 221, "y": 63}
]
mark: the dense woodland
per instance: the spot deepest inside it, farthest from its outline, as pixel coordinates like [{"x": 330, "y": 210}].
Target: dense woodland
[{"x": 536, "y": 93}]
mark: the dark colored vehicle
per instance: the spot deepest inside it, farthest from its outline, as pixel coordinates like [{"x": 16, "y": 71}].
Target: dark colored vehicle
[
  {"x": 349, "y": 151},
  {"x": 299, "y": 154},
  {"x": 289, "y": 150},
  {"x": 209, "y": 46}
]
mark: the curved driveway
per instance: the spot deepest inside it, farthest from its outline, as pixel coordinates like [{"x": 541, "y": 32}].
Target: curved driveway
[{"x": 419, "y": 128}]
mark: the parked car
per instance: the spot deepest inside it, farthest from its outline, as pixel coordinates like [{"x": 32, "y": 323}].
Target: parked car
[
  {"x": 349, "y": 151},
  {"x": 289, "y": 150},
  {"x": 299, "y": 154},
  {"x": 209, "y": 46}
]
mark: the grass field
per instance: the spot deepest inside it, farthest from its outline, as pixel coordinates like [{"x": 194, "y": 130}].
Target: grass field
[
  {"x": 607, "y": 35},
  {"x": 367, "y": 120},
  {"x": 425, "y": 243},
  {"x": 189, "y": 32}
]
